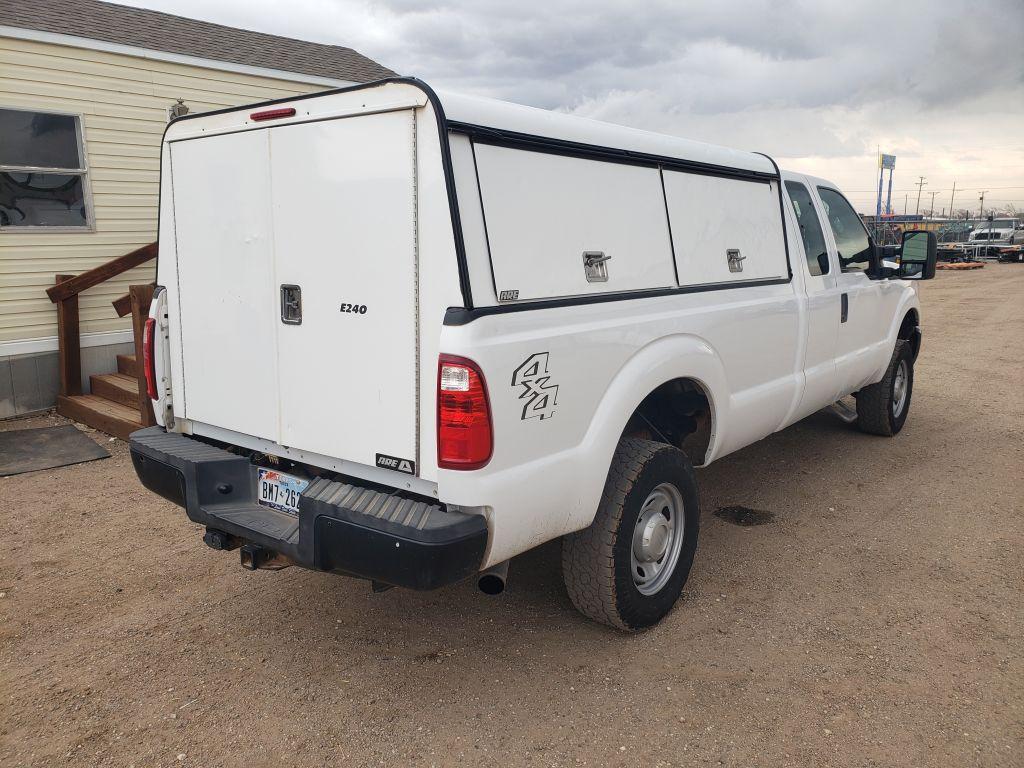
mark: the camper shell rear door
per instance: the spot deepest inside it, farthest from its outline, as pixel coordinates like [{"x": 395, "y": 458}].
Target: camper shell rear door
[{"x": 296, "y": 261}]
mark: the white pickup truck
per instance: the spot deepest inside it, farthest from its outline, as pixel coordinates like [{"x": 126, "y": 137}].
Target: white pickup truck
[
  {"x": 993, "y": 236},
  {"x": 406, "y": 336}
]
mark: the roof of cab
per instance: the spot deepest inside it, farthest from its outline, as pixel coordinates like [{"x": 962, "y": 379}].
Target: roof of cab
[{"x": 531, "y": 121}]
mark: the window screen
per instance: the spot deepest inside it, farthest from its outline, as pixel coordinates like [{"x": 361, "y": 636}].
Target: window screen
[
  {"x": 42, "y": 170},
  {"x": 852, "y": 244},
  {"x": 810, "y": 228}
]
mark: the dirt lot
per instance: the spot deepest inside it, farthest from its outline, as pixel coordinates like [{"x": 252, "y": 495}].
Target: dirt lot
[{"x": 876, "y": 620}]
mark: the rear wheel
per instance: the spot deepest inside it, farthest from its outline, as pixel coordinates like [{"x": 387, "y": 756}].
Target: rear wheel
[
  {"x": 628, "y": 568},
  {"x": 882, "y": 408}
]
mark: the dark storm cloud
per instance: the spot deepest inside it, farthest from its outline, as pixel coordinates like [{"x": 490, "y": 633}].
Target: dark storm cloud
[
  {"x": 721, "y": 56},
  {"x": 821, "y": 80}
]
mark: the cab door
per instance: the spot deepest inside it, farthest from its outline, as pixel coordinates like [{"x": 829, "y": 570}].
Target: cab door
[
  {"x": 821, "y": 294},
  {"x": 861, "y": 336}
]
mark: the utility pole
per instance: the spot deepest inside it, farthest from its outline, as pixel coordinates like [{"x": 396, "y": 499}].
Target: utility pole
[
  {"x": 931, "y": 212},
  {"x": 905, "y": 198},
  {"x": 981, "y": 208},
  {"x": 951, "y": 194},
  {"x": 920, "y": 185}
]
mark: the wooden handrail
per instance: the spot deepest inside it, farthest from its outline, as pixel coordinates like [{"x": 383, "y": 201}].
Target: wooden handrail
[
  {"x": 122, "y": 304},
  {"x": 69, "y": 343},
  {"x": 75, "y": 285},
  {"x": 65, "y": 295}
]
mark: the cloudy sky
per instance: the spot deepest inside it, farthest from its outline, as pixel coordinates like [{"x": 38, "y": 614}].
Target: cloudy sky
[{"x": 817, "y": 84}]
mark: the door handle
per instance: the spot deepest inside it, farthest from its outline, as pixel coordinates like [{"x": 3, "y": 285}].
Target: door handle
[
  {"x": 595, "y": 266},
  {"x": 844, "y": 307}
]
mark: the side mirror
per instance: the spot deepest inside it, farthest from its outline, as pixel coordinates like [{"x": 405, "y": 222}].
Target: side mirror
[{"x": 918, "y": 255}]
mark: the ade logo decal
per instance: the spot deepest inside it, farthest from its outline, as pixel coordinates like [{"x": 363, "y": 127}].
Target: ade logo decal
[
  {"x": 538, "y": 394},
  {"x": 394, "y": 462}
]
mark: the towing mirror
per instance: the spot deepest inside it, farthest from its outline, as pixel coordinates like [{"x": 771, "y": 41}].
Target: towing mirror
[{"x": 918, "y": 254}]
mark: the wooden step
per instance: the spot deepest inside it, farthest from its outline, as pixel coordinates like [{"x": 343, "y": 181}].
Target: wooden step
[
  {"x": 102, "y": 414},
  {"x": 117, "y": 387},
  {"x": 126, "y": 365}
]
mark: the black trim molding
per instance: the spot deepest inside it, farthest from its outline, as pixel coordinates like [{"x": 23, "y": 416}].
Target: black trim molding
[
  {"x": 463, "y": 316},
  {"x": 513, "y": 140}
]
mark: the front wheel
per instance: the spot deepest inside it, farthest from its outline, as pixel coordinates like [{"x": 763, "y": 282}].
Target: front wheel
[
  {"x": 882, "y": 408},
  {"x": 628, "y": 568}
]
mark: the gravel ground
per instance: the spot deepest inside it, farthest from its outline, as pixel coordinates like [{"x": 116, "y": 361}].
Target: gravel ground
[{"x": 874, "y": 618}]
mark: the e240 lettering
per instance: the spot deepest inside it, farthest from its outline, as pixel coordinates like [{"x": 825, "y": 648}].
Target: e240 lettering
[{"x": 358, "y": 309}]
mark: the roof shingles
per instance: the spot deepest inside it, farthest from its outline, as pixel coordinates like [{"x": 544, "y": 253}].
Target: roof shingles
[{"x": 157, "y": 31}]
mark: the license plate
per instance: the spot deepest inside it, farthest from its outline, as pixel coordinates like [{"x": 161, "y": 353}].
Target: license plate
[{"x": 280, "y": 491}]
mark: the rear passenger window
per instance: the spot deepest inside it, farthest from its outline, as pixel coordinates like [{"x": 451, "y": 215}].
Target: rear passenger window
[
  {"x": 810, "y": 228},
  {"x": 852, "y": 244}
]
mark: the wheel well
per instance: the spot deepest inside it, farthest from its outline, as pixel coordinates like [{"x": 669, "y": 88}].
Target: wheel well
[
  {"x": 678, "y": 413},
  {"x": 908, "y": 331}
]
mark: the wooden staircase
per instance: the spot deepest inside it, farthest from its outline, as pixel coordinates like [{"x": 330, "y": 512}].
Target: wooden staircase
[
  {"x": 118, "y": 403},
  {"x": 113, "y": 406}
]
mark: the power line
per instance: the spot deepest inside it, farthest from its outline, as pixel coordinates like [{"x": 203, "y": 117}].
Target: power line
[{"x": 962, "y": 189}]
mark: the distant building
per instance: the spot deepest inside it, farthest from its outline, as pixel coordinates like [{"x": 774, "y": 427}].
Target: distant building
[{"x": 86, "y": 89}]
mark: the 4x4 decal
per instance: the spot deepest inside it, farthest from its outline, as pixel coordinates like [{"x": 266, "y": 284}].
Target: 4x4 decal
[{"x": 540, "y": 394}]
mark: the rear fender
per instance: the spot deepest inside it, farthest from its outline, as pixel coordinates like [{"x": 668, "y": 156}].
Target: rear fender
[
  {"x": 531, "y": 502},
  {"x": 668, "y": 358}
]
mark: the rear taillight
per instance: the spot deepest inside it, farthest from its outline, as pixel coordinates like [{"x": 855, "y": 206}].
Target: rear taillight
[
  {"x": 464, "y": 437},
  {"x": 148, "y": 358}
]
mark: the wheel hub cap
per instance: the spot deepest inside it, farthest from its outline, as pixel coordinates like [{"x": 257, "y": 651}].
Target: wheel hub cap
[
  {"x": 653, "y": 539},
  {"x": 899, "y": 388},
  {"x": 657, "y": 539}
]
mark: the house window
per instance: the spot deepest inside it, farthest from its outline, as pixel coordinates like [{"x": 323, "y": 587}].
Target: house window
[{"x": 42, "y": 171}]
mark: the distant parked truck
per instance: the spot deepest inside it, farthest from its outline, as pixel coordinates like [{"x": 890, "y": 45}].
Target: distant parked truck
[
  {"x": 406, "y": 336},
  {"x": 988, "y": 237}
]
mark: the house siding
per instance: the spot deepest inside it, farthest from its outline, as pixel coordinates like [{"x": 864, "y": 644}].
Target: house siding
[{"x": 123, "y": 101}]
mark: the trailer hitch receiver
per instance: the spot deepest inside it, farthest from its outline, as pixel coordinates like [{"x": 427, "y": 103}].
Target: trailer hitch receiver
[{"x": 255, "y": 558}]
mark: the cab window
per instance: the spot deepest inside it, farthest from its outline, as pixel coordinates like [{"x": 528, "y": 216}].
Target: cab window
[
  {"x": 810, "y": 228},
  {"x": 852, "y": 243}
]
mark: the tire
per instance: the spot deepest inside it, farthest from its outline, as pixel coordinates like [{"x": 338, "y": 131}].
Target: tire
[
  {"x": 881, "y": 409},
  {"x": 646, "y": 480}
]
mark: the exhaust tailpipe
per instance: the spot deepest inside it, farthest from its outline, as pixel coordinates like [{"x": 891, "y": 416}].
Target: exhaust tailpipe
[{"x": 492, "y": 581}]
